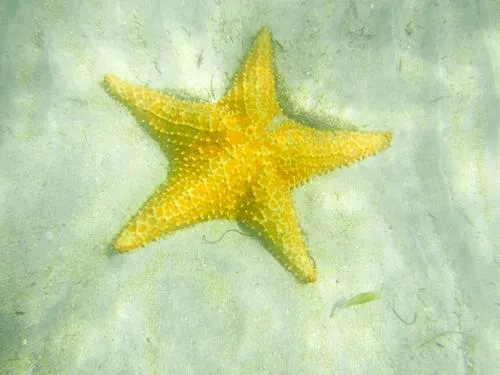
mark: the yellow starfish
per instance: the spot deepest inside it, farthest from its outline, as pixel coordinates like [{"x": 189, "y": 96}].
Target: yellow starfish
[{"x": 237, "y": 159}]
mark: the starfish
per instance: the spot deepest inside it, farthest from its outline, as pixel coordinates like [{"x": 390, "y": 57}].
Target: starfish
[{"x": 238, "y": 158}]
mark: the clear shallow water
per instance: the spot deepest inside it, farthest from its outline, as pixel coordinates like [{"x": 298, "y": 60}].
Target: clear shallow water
[{"x": 416, "y": 222}]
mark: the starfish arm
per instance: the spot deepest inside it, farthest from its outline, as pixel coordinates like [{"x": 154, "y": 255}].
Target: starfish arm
[
  {"x": 180, "y": 203},
  {"x": 254, "y": 89},
  {"x": 164, "y": 113},
  {"x": 191, "y": 196},
  {"x": 271, "y": 213},
  {"x": 305, "y": 152}
]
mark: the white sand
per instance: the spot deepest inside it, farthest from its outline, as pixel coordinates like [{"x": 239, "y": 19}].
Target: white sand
[{"x": 419, "y": 221}]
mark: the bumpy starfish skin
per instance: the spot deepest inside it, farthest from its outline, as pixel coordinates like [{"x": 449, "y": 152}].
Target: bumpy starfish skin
[{"x": 237, "y": 159}]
